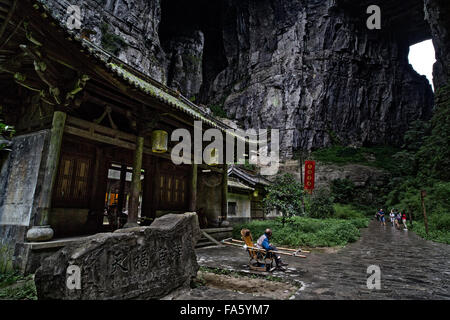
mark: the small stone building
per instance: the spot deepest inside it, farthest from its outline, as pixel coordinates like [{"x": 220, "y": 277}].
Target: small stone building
[{"x": 246, "y": 190}]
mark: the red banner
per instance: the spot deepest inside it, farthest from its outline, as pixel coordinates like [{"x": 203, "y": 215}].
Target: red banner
[{"x": 310, "y": 170}]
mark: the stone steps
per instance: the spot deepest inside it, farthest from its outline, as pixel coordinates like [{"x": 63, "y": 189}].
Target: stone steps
[
  {"x": 217, "y": 233},
  {"x": 203, "y": 242}
]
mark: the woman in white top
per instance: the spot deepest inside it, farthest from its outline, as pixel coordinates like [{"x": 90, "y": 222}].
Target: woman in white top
[{"x": 392, "y": 216}]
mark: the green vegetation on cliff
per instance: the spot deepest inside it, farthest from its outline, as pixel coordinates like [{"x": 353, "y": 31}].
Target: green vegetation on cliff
[
  {"x": 110, "y": 41},
  {"x": 378, "y": 156}
]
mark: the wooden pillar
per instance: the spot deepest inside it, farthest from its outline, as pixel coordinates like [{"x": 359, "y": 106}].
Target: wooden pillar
[
  {"x": 193, "y": 200},
  {"x": 147, "y": 189},
  {"x": 121, "y": 197},
  {"x": 136, "y": 185},
  {"x": 41, "y": 231},
  {"x": 97, "y": 201},
  {"x": 155, "y": 186},
  {"x": 95, "y": 180},
  {"x": 224, "y": 191}
]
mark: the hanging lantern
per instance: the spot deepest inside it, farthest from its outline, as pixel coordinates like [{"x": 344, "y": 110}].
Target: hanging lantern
[
  {"x": 160, "y": 140},
  {"x": 255, "y": 193},
  {"x": 214, "y": 157}
]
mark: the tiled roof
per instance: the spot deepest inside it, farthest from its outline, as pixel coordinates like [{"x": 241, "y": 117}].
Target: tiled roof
[
  {"x": 137, "y": 79},
  {"x": 246, "y": 176},
  {"x": 234, "y": 183}
]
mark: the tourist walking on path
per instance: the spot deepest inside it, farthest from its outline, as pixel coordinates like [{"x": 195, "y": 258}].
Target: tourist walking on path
[
  {"x": 404, "y": 220},
  {"x": 392, "y": 216},
  {"x": 382, "y": 217},
  {"x": 398, "y": 220}
]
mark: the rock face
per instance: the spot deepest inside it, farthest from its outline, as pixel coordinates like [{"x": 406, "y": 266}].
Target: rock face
[
  {"x": 127, "y": 28},
  {"x": 139, "y": 263},
  {"x": 362, "y": 176},
  {"x": 185, "y": 55},
  {"x": 314, "y": 71},
  {"x": 438, "y": 16},
  {"x": 309, "y": 68}
]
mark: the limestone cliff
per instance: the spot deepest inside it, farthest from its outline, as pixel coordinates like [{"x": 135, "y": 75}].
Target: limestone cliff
[{"x": 308, "y": 67}]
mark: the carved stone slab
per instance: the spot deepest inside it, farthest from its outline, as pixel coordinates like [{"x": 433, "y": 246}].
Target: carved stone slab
[{"x": 137, "y": 263}]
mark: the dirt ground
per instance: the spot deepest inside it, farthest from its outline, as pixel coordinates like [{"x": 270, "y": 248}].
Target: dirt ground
[{"x": 256, "y": 287}]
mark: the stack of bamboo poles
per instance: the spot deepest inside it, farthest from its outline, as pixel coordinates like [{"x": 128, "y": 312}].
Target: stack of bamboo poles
[{"x": 280, "y": 250}]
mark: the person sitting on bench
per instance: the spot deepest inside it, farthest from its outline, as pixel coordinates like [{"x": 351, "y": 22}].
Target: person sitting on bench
[{"x": 263, "y": 243}]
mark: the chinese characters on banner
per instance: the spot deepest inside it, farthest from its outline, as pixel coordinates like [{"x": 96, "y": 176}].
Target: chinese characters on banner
[{"x": 310, "y": 168}]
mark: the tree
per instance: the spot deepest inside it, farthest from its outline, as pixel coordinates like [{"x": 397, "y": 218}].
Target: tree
[
  {"x": 434, "y": 155},
  {"x": 285, "y": 195},
  {"x": 6, "y": 133}
]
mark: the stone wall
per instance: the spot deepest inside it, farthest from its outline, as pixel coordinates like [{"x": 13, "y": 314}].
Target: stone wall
[
  {"x": 243, "y": 207},
  {"x": 138, "y": 263},
  {"x": 19, "y": 180}
]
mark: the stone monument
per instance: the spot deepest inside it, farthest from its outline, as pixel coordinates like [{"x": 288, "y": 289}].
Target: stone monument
[{"x": 136, "y": 263}]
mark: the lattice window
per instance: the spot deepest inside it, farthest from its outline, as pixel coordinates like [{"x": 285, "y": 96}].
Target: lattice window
[
  {"x": 179, "y": 190},
  {"x": 65, "y": 179},
  {"x": 172, "y": 191},
  {"x": 72, "y": 187}
]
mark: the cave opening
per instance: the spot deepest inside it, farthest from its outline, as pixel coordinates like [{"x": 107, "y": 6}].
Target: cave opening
[
  {"x": 182, "y": 19},
  {"x": 422, "y": 57}
]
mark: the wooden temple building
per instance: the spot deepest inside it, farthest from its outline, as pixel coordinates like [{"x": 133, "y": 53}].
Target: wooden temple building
[{"x": 89, "y": 139}]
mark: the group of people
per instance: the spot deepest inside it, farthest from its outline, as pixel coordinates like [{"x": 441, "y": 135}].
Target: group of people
[{"x": 397, "y": 218}]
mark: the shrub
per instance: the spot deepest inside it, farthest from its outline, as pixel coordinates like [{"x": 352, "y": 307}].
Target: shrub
[
  {"x": 346, "y": 212},
  {"x": 321, "y": 204},
  {"x": 440, "y": 221},
  {"x": 6, "y": 131},
  {"x": 442, "y": 236},
  {"x": 218, "y": 111},
  {"x": 342, "y": 190},
  {"x": 16, "y": 287}
]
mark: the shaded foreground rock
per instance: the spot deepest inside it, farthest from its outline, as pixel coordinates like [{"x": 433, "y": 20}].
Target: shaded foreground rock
[{"x": 138, "y": 263}]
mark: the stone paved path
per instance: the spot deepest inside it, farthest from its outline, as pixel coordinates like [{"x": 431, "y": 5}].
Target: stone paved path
[{"x": 411, "y": 268}]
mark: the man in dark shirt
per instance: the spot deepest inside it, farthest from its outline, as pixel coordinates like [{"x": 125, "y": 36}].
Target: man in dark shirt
[{"x": 382, "y": 217}]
